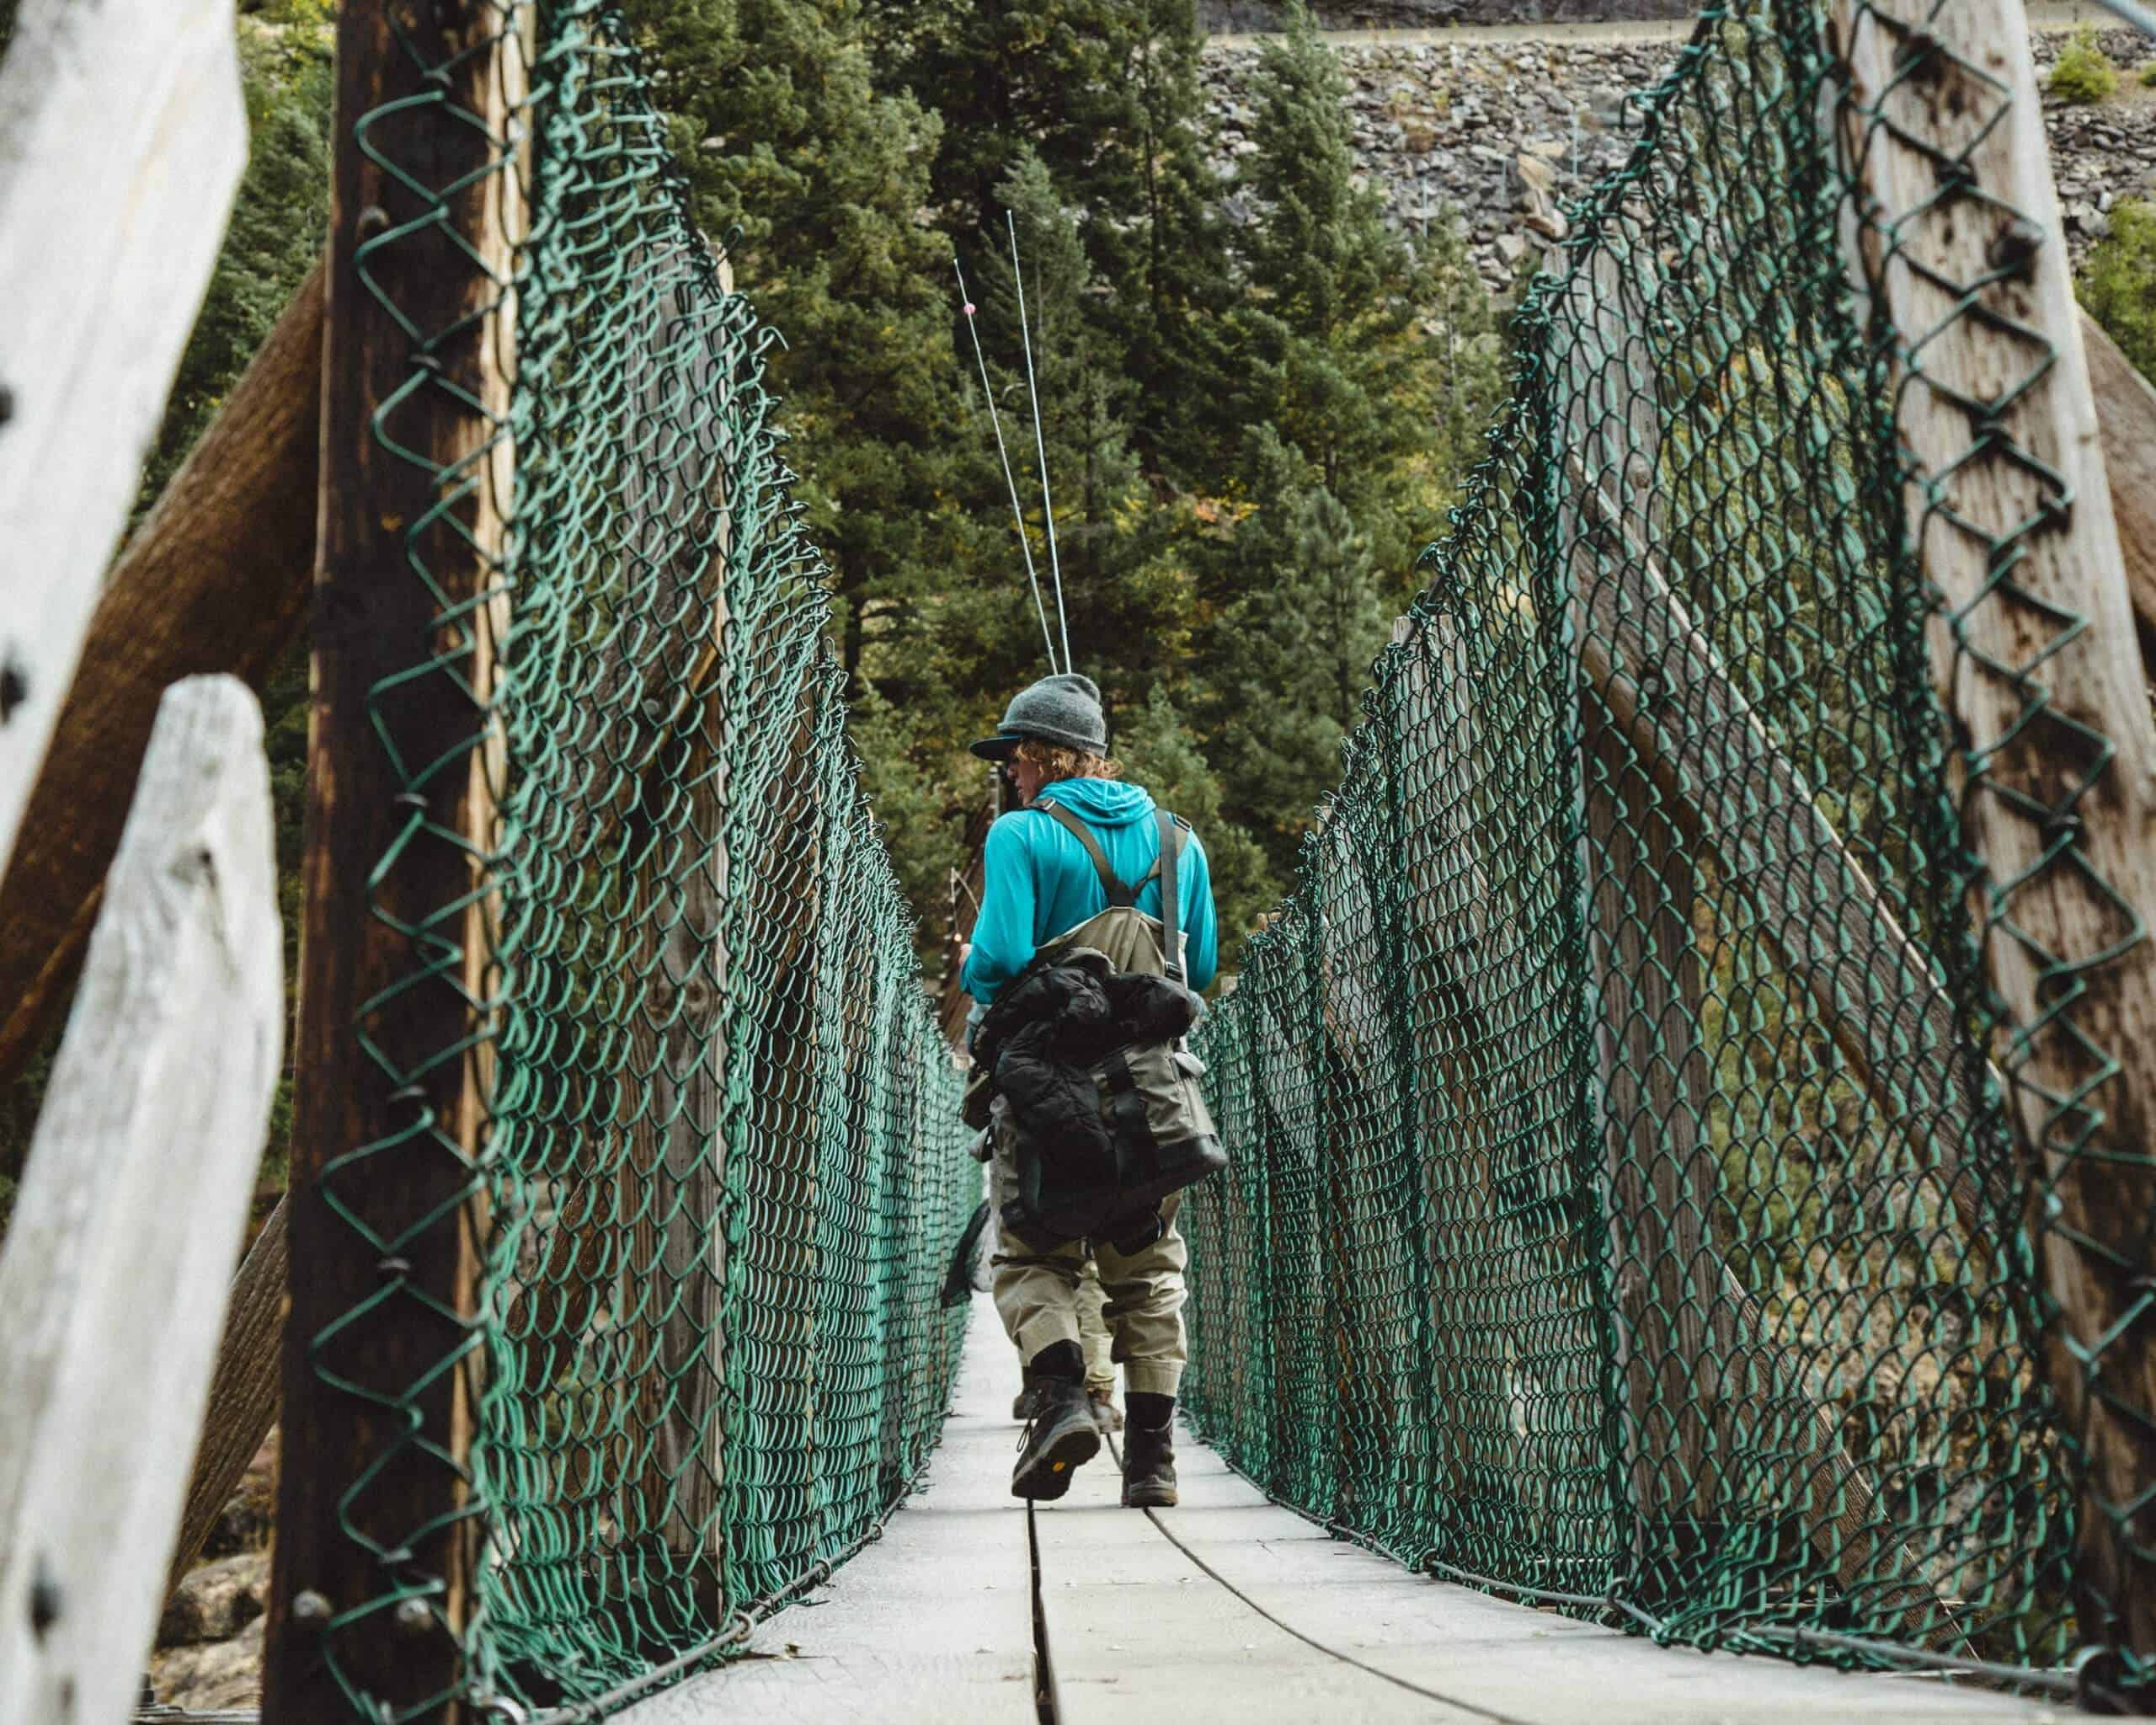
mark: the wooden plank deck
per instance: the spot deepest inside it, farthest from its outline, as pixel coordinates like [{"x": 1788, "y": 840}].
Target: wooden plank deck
[
  {"x": 1227, "y": 1608},
  {"x": 934, "y": 1622}
]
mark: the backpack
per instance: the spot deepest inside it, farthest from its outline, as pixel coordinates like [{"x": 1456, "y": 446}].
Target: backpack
[{"x": 1152, "y": 1121}]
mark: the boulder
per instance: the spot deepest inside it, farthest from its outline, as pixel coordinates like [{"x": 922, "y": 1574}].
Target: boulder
[
  {"x": 216, "y": 1600},
  {"x": 225, "y": 1673}
]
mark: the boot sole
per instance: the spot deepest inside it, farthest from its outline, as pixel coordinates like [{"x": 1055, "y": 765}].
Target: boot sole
[{"x": 1048, "y": 1477}]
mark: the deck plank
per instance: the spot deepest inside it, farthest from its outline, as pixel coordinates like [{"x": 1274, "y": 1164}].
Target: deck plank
[
  {"x": 1227, "y": 1607},
  {"x": 1513, "y": 1661},
  {"x": 1136, "y": 1630},
  {"x": 933, "y": 1623}
]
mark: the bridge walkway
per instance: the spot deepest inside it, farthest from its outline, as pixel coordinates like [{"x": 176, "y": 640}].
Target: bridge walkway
[{"x": 1228, "y": 1608}]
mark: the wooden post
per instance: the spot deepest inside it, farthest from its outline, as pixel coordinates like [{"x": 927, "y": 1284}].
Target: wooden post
[
  {"x": 1663, "y": 1186},
  {"x": 131, "y": 1212},
  {"x": 216, "y": 579},
  {"x": 1459, "y": 921},
  {"x": 122, "y": 137},
  {"x": 375, "y": 1540},
  {"x": 2035, "y": 654}
]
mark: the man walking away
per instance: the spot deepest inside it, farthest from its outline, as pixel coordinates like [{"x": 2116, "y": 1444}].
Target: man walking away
[{"x": 1073, "y": 922}]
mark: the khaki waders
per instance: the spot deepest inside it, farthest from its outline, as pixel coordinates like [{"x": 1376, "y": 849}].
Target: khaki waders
[{"x": 1038, "y": 1291}]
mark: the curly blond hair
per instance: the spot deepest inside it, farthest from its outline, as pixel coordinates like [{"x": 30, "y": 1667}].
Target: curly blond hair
[{"x": 1056, "y": 761}]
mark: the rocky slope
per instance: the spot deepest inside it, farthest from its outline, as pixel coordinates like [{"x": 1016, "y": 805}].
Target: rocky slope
[
  {"x": 1503, "y": 133},
  {"x": 209, "y": 1651},
  {"x": 1397, "y": 15}
]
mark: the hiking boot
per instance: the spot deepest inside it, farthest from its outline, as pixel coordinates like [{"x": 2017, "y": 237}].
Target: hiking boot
[
  {"x": 1060, "y": 1439},
  {"x": 1149, "y": 1454},
  {"x": 1106, "y": 1414},
  {"x": 1028, "y": 1400}
]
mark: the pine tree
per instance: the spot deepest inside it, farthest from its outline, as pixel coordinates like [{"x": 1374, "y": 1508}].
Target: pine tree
[
  {"x": 1293, "y": 650},
  {"x": 1374, "y": 355},
  {"x": 1104, "y": 95},
  {"x": 815, "y": 181},
  {"x": 1360, "y": 370},
  {"x": 1158, "y": 751}
]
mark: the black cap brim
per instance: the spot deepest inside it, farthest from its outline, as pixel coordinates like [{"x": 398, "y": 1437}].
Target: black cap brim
[{"x": 997, "y": 748}]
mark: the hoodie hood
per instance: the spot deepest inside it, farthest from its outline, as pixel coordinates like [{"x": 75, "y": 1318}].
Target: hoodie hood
[{"x": 1104, "y": 802}]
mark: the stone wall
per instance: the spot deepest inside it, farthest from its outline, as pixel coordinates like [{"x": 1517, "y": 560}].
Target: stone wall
[{"x": 1504, "y": 133}]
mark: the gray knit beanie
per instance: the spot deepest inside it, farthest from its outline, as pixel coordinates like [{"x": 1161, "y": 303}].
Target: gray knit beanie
[{"x": 1065, "y": 708}]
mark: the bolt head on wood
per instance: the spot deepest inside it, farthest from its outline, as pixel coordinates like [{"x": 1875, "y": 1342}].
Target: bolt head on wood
[
  {"x": 45, "y": 1600},
  {"x": 310, "y": 1608}
]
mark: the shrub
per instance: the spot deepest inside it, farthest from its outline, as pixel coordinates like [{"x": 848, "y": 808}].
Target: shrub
[
  {"x": 2118, "y": 283},
  {"x": 2147, "y": 76},
  {"x": 2084, "y": 73}
]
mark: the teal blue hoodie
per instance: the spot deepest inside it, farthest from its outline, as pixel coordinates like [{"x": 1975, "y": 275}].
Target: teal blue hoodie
[{"x": 1038, "y": 882}]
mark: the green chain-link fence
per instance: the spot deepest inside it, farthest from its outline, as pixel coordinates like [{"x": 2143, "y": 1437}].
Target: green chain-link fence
[
  {"x": 727, "y": 1140},
  {"x": 1624, "y": 1211},
  {"x": 723, "y": 1166}
]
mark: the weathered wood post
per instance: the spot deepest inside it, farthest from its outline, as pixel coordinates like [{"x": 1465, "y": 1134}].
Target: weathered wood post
[
  {"x": 132, "y": 1209},
  {"x": 1955, "y": 245},
  {"x": 375, "y": 1539},
  {"x": 216, "y": 579},
  {"x": 122, "y": 136}
]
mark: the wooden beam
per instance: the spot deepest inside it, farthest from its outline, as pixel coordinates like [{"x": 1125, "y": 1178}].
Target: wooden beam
[
  {"x": 1962, "y": 256},
  {"x": 382, "y": 1349},
  {"x": 1707, "y": 1375},
  {"x": 1732, "y": 787},
  {"x": 242, "y": 1402},
  {"x": 2126, "y": 416},
  {"x": 216, "y": 579},
  {"x": 122, "y": 137},
  {"x": 132, "y": 1209}
]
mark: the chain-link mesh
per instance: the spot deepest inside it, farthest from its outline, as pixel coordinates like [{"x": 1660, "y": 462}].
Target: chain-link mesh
[
  {"x": 724, "y": 1164},
  {"x": 1624, "y": 1208}
]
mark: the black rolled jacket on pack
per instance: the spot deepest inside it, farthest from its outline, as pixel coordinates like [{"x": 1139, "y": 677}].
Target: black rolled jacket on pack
[{"x": 1058, "y": 1045}]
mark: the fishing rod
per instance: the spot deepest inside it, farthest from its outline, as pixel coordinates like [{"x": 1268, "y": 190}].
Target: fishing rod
[
  {"x": 996, "y": 420},
  {"x": 1040, "y": 444}
]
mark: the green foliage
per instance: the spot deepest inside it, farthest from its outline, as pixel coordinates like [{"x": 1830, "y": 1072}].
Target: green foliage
[
  {"x": 279, "y": 222},
  {"x": 1158, "y": 749},
  {"x": 2084, "y": 72},
  {"x": 1360, "y": 372},
  {"x": 2146, "y": 77},
  {"x": 2118, "y": 283}
]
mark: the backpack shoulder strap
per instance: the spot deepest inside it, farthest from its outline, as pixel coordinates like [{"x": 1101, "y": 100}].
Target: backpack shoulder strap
[
  {"x": 1120, "y": 897},
  {"x": 1171, "y": 832}
]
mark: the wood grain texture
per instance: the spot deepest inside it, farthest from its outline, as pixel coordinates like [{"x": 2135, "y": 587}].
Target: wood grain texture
[
  {"x": 122, "y": 138},
  {"x": 216, "y": 579},
  {"x": 242, "y": 1400},
  {"x": 115, "y": 1276},
  {"x": 2126, "y": 418},
  {"x": 381, "y": 1351},
  {"x": 2036, "y": 658},
  {"x": 1731, "y": 787}
]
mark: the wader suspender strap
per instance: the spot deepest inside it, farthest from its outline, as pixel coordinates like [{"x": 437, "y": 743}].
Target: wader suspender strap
[
  {"x": 1120, "y": 897},
  {"x": 1125, "y": 898},
  {"x": 1171, "y": 900}
]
